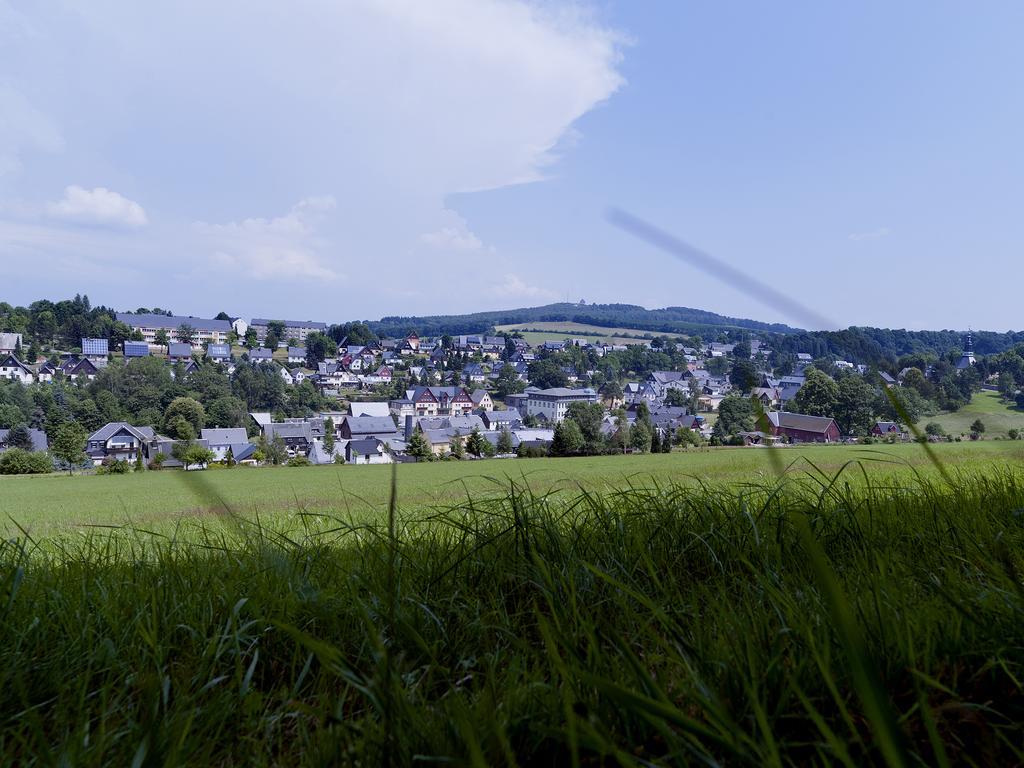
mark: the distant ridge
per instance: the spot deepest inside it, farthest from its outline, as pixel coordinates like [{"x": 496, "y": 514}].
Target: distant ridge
[{"x": 666, "y": 320}]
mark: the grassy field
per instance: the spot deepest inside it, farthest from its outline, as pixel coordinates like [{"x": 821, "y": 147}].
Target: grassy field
[
  {"x": 997, "y": 416},
  {"x": 543, "y": 331},
  {"x": 48, "y": 505},
  {"x": 855, "y": 621}
]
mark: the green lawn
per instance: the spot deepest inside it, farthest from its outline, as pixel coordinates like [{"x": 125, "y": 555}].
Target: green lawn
[
  {"x": 59, "y": 503},
  {"x": 997, "y": 416}
]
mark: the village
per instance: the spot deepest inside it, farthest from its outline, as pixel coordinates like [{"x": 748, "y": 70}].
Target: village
[{"x": 418, "y": 398}]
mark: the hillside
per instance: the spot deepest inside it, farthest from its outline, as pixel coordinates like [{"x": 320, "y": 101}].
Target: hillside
[
  {"x": 997, "y": 416},
  {"x": 667, "y": 320}
]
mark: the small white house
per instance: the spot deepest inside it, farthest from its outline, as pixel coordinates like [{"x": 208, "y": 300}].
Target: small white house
[{"x": 12, "y": 368}]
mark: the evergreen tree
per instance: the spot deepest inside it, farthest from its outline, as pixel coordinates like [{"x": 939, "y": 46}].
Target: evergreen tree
[
  {"x": 418, "y": 447},
  {"x": 505, "y": 441},
  {"x": 457, "y": 448}
]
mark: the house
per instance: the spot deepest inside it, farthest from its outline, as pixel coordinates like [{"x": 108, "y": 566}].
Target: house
[
  {"x": 286, "y": 375},
  {"x": 38, "y": 437},
  {"x": 481, "y": 400},
  {"x": 219, "y": 353},
  {"x": 367, "y": 451},
  {"x": 134, "y": 349},
  {"x": 551, "y": 404},
  {"x": 148, "y": 325},
  {"x": 45, "y": 371},
  {"x": 293, "y": 329},
  {"x": 362, "y": 427},
  {"x": 888, "y": 429},
  {"x": 382, "y": 375},
  {"x": 119, "y": 441},
  {"x": 219, "y": 440},
  {"x": 440, "y": 401},
  {"x": 96, "y": 350},
  {"x": 12, "y": 368},
  {"x": 10, "y": 343},
  {"x": 412, "y": 342},
  {"x": 240, "y": 327},
  {"x": 178, "y": 351},
  {"x": 474, "y": 374},
  {"x": 498, "y": 420},
  {"x": 887, "y": 378},
  {"x": 296, "y": 354},
  {"x": 800, "y": 428},
  {"x": 298, "y": 436},
  {"x": 299, "y": 375},
  {"x": 261, "y": 355},
  {"x": 81, "y": 368}
]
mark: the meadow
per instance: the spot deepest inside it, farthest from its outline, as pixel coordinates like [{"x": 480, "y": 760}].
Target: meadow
[
  {"x": 855, "y": 618},
  {"x": 159, "y": 500},
  {"x": 539, "y": 332},
  {"x": 997, "y": 416}
]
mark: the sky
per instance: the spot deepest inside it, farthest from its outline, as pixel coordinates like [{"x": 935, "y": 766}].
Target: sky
[{"x": 351, "y": 159}]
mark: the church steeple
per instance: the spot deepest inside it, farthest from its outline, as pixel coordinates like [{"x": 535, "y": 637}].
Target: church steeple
[{"x": 967, "y": 357}]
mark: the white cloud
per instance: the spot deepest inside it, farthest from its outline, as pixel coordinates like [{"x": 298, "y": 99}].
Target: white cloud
[
  {"x": 97, "y": 206},
  {"x": 282, "y": 247},
  {"x": 455, "y": 235},
  {"x": 874, "y": 234},
  {"x": 514, "y": 286},
  {"x": 395, "y": 105}
]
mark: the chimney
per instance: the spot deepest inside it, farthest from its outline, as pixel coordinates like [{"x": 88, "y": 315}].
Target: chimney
[{"x": 408, "y": 426}]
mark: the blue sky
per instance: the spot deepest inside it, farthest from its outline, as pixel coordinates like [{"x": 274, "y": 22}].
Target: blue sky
[{"x": 339, "y": 160}]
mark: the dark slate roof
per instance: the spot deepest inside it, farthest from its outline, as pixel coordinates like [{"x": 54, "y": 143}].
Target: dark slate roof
[
  {"x": 370, "y": 425},
  {"x": 10, "y": 361},
  {"x": 169, "y": 323},
  {"x": 179, "y": 349},
  {"x": 136, "y": 349},
  {"x": 39, "y": 442},
  {"x": 224, "y": 435},
  {"x": 96, "y": 347},
  {"x": 787, "y": 420},
  {"x": 218, "y": 350},
  {"x": 296, "y": 351},
  {"x": 261, "y": 354},
  {"x": 291, "y": 323},
  {"x": 365, "y": 447},
  {"x": 112, "y": 428}
]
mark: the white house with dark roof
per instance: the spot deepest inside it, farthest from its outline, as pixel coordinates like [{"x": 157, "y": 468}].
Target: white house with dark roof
[
  {"x": 148, "y": 324},
  {"x": 296, "y": 354},
  {"x": 119, "y": 441},
  {"x": 179, "y": 351},
  {"x": 219, "y": 440},
  {"x": 12, "y": 368},
  {"x": 261, "y": 355},
  {"x": 219, "y": 353}
]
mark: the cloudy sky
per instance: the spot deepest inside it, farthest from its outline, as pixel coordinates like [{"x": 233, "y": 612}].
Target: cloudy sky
[{"x": 340, "y": 159}]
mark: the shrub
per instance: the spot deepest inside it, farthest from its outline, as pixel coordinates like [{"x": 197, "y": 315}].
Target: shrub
[
  {"x": 17, "y": 461},
  {"x": 299, "y": 461}
]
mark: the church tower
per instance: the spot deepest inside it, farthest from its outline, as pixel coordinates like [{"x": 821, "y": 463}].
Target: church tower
[{"x": 967, "y": 358}]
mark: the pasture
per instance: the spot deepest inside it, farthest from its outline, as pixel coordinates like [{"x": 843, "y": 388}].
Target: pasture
[
  {"x": 51, "y": 504},
  {"x": 997, "y": 416},
  {"x": 539, "y": 332},
  {"x": 866, "y": 619}
]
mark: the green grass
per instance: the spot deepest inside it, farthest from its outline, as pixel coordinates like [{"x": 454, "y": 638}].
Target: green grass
[
  {"x": 53, "y": 504},
  {"x": 997, "y": 416},
  {"x": 539, "y": 332},
  {"x": 856, "y": 619}
]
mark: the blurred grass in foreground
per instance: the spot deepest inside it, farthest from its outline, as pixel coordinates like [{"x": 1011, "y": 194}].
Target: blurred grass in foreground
[{"x": 820, "y": 620}]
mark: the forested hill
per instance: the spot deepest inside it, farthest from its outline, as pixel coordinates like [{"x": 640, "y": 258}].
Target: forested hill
[{"x": 667, "y": 320}]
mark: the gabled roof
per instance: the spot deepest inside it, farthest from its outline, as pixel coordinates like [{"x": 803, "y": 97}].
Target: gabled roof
[
  {"x": 376, "y": 409},
  {"x": 787, "y": 420},
  {"x": 224, "y": 435},
  {"x": 39, "y": 442},
  {"x": 262, "y": 353},
  {"x": 179, "y": 349},
  {"x": 296, "y": 351},
  {"x": 370, "y": 425},
  {"x": 110, "y": 429},
  {"x": 10, "y": 361}
]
